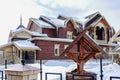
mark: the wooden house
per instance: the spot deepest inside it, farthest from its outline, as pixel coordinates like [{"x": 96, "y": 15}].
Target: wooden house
[
  {"x": 60, "y": 34},
  {"x": 51, "y": 36},
  {"x": 63, "y": 28}
]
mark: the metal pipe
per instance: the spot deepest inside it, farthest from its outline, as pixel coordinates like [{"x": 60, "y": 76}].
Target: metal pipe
[
  {"x": 5, "y": 64},
  {"x": 40, "y": 69},
  {"x": 101, "y": 71}
]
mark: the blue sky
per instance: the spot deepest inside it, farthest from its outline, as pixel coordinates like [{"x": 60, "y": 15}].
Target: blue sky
[{"x": 12, "y": 9}]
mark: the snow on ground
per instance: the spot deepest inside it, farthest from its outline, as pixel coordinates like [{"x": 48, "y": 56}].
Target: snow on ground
[{"x": 55, "y": 66}]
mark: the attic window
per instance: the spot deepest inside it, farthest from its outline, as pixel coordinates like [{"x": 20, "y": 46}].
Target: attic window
[
  {"x": 56, "y": 50},
  {"x": 69, "y": 34}
]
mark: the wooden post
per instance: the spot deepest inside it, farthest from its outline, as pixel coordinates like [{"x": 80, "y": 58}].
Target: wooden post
[
  {"x": 112, "y": 58},
  {"x": 20, "y": 54}
]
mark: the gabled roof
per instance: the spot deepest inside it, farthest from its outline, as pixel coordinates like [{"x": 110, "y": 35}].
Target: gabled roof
[
  {"x": 61, "y": 21},
  {"x": 25, "y": 44},
  {"x": 20, "y": 26},
  {"x": 48, "y": 20},
  {"x": 93, "y": 19},
  {"x": 51, "y": 22},
  {"x": 21, "y": 45},
  {"x": 40, "y": 23},
  {"x": 92, "y": 15},
  {"x": 63, "y": 17},
  {"x": 29, "y": 32},
  {"x": 57, "y": 22}
]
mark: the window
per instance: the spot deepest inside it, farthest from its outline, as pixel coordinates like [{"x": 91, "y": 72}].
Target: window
[
  {"x": 65, "y": 46},
  {"x": 100, "y": 33},
  {"x": 69, "y": 34},
  {"x": 56, "y": 50}
]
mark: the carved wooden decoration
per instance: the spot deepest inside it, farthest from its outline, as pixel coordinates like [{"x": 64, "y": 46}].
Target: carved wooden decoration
[{"x": 86, "y": 49}]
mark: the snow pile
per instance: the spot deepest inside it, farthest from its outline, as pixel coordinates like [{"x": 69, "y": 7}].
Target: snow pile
[
  {"x": 111, "y": 70},
  {"x": 67, "y": 66}
]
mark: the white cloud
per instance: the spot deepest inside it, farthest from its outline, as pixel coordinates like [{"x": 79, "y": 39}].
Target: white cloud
[{"x": 12, "y": 9}]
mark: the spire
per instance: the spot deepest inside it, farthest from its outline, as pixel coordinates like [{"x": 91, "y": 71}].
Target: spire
[
  {"x": 20, "y": 26},
  {"x": 20, "y": 20}
]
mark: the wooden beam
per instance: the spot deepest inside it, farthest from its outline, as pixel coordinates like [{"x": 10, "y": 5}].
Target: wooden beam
[
  {"x": 89, "y": 56},
  {"x": 74, "y": 42},
  {"x": 94, "y": 44},
  {"x": 70, "y": 55}
]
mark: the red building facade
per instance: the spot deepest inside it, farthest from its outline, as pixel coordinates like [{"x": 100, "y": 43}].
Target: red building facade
[{"x": 63, "y": 30}]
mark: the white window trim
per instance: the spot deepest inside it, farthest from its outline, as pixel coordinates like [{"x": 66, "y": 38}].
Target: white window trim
[
  {"x": 69, "y": 34},
  {"x": 57, "y": 47},
  {"x": 65, "y": 46}
]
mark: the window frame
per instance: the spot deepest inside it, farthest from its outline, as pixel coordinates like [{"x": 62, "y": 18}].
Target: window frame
[{"x": 56, "y": 49}]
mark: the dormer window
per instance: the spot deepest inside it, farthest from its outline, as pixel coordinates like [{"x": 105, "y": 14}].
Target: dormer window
[{"x": 69, "y": 35}]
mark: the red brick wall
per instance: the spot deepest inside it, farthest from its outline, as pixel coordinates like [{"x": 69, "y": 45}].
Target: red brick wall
[
  {"x": 49, "y": 32},
  {"x": 62, "y": 33},
  {"x": 47, "y": 49}
]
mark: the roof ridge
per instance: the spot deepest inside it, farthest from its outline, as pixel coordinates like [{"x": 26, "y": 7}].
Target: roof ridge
[{"x": 46, "y": 19}]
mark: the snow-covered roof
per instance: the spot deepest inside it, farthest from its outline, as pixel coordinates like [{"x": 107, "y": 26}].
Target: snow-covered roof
[
  {"x": 20, "y": 26},
  {"x": 5, "y": 45},
  {"x": 92, "y": 15},
  {"x": 109, "y": 44},
  {"x": 76, "y": 19},
  {"x": 95, "y": 22},
  {"x": 25, "y": 44},
  {"x": 41, "y": 23},
  {"x": 58, "y": 22},
  {"x": 21, "y": 44},
  {"x": 30, "y": 32},
  {"x": 38, "y": 34},
  {"x": 19, "y": 30},
  {"x": 52, "y": 39},
  {"x": 86, "y": 19}
]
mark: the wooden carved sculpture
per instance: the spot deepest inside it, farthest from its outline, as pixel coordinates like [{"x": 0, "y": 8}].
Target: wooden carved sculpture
[{"x": 86, "y": 49}]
